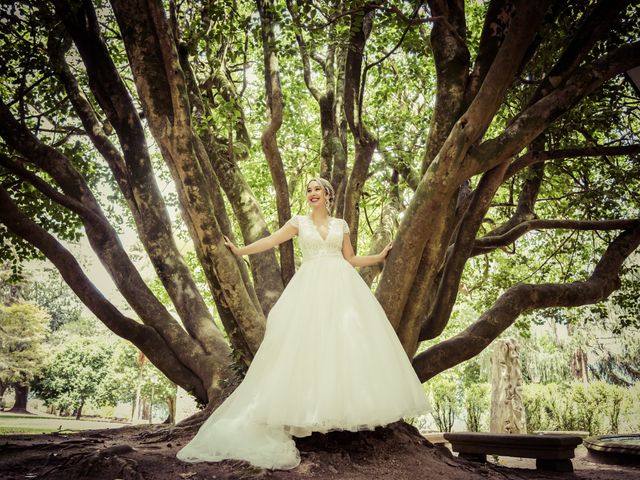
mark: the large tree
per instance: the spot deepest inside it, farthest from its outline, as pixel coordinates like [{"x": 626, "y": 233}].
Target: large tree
[
  {"x": 441, "y": 118},
  {"x": 23, "y": 328}
]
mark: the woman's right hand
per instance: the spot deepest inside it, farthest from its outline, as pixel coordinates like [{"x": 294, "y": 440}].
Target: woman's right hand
[{"x": 234, "y": 249}]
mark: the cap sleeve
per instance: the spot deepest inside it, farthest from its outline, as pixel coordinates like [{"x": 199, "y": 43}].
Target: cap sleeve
[
  {"x": 294, "y": 221},
  {"x": 345, "y": 227}
]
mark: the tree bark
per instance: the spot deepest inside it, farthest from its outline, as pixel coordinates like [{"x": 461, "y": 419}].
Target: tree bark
[
  {"x": 21, "y": 390},
  {"x": 365, "y": 142},
  {"x": 162, "y": 90},
  {"x": 269, "y": 135},
  {"x": 132, "y": 170}
]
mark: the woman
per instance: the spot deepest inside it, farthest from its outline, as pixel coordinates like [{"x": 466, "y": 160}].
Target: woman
[{"x": 329, "y": 359}]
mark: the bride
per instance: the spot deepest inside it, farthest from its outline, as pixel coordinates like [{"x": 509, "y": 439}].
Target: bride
[{"x": 329, "y": 359}]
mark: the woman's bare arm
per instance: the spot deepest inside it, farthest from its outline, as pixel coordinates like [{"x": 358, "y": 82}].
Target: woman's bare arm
[
  {"x": 286, "y": 232},
  {"x": 364, "y": 260}
]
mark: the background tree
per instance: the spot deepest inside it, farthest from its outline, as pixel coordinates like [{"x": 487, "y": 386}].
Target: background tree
[
  {"x": 468, "y": 124},
  {"x": 23, "y": 328},
  {"x": 123, "y": 378},
  {"x": 71, "y": 378}
]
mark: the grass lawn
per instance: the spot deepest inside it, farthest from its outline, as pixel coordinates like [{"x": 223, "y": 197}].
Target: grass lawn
[
  {"x": 17, "y": 430},
  {"x": 34, "y": 417}
]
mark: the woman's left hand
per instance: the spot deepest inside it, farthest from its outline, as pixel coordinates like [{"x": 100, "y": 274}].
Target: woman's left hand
[{"x": 385, "y": 251}]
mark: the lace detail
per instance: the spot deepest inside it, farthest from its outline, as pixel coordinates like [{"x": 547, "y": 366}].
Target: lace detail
[
  {"x": 311, "y": 242},
  {"x": 345, "y": 227}
]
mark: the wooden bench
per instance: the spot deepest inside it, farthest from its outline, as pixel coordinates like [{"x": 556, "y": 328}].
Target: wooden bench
[{"x": 552, "y": 452}]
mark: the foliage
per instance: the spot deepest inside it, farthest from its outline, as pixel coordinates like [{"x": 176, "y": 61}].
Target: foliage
[
  {"x": 476, "y": 404},
  {"x": 445, "y": 402},
  {"x": 126, "y": 373},
  {"x": 543, "y": 360},
  {"x": 23, "y": 327},
  {"x": 49, "y": 291},
  {"x": 594, "y": 407},
  {"x": 72, "y": 376}
]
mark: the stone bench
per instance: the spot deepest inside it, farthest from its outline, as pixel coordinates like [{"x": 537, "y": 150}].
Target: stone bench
[{"x": 552, "y": 452}]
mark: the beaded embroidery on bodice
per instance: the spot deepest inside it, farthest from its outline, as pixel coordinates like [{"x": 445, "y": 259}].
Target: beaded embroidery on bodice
[{"x": 311, "y": 242}]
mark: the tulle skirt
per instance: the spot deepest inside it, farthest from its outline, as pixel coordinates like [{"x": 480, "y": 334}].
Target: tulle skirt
[{"x": 329, "y": 360}]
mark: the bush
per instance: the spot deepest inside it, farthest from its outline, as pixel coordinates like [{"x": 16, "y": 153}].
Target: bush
[
  {"x": 476, "y": 404},
  {"x": 534, "y": 397},
  {"x": 594, "y": 407},
  {"x": 614, "y": 400}
]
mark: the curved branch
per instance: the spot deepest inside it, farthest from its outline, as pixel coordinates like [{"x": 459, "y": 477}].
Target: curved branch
[
  {"x": 145, "y": 337},
  {"x": 536, "y": 118},
  {"x": 521, "y": 298},
  {"x": 486, "y": 244},
  {"x": 532, "y": 158},
  {"x": 269, "y": 137}
]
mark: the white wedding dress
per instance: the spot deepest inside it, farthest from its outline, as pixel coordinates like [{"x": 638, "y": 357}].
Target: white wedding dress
[{"x": 329, "y": 360}]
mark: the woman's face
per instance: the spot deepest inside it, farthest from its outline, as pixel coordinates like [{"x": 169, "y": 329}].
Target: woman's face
[{"x": 315, "y": 194}]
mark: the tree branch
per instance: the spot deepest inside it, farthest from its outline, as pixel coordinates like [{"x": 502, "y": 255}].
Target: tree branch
[
  {"x": 535, "y": 119},
  {"x": 269, "y": 137},
  {"x": 145, "y": 337},
  {"x": 532, "y": 158},
  {"x": 304, "y": 54},
  {"x": 451, "y": 56},
  {"x": 521, "y": 298},
  {"x": 596, "y": 24},
  {"x": 491, "y": 242}
]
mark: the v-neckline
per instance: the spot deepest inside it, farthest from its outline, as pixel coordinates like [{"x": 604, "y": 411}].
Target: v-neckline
[{"x": 315, "y": 227}]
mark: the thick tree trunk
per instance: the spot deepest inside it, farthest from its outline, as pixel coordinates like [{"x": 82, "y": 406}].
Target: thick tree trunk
[
  {"x": 133, "y": 170},
  {"x": 21, "y": 391},
  {"x": 220, "y": 156},
  {"x": 79, "y": 410}
]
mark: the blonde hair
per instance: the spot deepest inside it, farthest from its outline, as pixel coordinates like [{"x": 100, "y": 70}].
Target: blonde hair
[{"x": 328, "y": 190}]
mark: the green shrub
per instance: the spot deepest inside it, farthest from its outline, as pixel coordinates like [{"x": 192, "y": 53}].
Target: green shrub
[
  {"x": 534, "y": 397},
  {"x": 594, "y": 407}
]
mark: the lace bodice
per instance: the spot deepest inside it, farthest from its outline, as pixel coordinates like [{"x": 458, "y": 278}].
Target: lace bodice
[{"x": 311, "y": 242}]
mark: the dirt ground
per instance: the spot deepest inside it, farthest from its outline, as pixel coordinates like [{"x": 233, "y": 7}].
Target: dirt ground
[{"x": 148, "y": 453}]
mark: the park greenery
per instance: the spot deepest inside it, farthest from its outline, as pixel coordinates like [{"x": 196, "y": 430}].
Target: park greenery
[
  {"x": 50, "y": 350},
  {"x": 496, "y": 142}
]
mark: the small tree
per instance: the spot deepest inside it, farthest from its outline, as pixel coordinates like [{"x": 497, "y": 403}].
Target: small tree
[
  {"x": 23, "y": 327},
  {"x": 476, "y": 403},
  {"x": 445, "y": 402}
]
